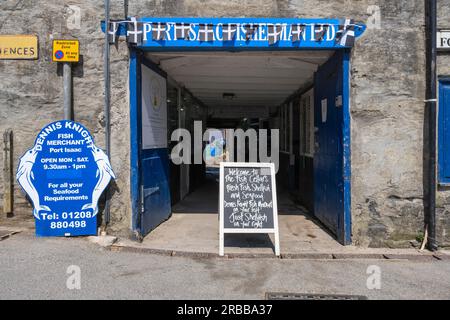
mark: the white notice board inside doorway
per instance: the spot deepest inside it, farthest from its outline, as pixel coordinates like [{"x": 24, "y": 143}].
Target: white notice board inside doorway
[{"x": 154, "y": 110}]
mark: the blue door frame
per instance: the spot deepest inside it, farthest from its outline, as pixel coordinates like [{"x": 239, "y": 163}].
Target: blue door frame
[
  {"x": 135, "y": 143},
  {"x": 343, "y": 231}
]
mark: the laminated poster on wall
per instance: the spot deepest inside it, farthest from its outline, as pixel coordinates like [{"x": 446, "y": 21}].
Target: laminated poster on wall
[
  {"x": 64, "y": 174},
  {"x": 154, "y": 110}
]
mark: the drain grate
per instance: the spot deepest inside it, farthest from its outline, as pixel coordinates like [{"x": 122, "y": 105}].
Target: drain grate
[{"x": 306, "y": 296}]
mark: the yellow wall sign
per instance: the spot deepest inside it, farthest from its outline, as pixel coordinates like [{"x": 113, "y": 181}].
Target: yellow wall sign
[
  {"x": 18, "y": 47},
  {"x": 66, "y": 51}
]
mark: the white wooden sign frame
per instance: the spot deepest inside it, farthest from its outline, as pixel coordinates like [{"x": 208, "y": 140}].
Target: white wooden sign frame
[
  {"x": 443, "y": 40},
  {"x": 223, "y": 230}
]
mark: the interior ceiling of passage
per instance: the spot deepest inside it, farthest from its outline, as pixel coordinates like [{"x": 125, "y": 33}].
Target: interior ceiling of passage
[{"x": 262, "y": 79}]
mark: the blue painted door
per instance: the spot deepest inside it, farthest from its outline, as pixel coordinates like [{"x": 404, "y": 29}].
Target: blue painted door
[
  {"x": 155, "y": 190},
  {"x": 444, "y": 131},
  {"x": 330, "y": 102},
  {"x": 154, "y": 154}
]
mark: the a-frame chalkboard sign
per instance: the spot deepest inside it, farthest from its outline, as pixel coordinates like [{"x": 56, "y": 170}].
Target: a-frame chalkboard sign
[{"x": 248, "y": 200}]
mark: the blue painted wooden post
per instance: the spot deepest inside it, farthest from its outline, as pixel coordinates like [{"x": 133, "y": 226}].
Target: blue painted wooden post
[
  {"x": 134, "y": 74},
  {"x": 346, "y": 134}
]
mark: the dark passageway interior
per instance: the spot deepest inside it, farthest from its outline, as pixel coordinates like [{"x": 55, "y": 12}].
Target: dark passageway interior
[{"x": 245, "y": 90}]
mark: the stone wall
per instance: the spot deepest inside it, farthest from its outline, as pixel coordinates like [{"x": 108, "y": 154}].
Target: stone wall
[{"x": 388, "y": 89}]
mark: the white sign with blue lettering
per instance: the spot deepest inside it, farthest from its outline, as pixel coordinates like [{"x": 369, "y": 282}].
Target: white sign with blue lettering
[{"x": 64, "y": 175}]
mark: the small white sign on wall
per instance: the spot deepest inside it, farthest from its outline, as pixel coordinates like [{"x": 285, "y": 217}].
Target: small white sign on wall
[
  {"x": 443, "y": 40},
  {"x": 324, "y": 110}
]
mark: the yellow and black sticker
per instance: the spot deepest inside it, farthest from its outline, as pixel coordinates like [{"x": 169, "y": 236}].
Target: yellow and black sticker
[{"x": 66, "y": 51}]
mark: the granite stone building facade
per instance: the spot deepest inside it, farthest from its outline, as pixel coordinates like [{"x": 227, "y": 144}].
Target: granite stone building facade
[{"x": 387, "y": 108}]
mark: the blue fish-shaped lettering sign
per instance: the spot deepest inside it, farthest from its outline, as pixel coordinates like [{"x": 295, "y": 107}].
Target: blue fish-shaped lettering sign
[{"x": 64, "y": 176}]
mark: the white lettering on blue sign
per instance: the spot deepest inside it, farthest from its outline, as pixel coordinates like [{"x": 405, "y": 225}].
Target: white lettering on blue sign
[
  {"x": 238, "y": 32},
  {"x": 64, "y": 175},
  {"x": 195, "y": 32}
]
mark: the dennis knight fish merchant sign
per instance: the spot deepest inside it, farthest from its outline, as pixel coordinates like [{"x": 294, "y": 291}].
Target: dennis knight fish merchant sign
[
  {"x": 64, "y": 175},
  {"x": 248, "y": 202}
]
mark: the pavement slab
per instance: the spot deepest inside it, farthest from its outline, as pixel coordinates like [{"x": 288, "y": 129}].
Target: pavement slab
[{"x": 37, "y": 268}]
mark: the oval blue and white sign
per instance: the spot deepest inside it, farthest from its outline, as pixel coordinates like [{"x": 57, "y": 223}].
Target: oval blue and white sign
[{"x": 64, "y": 175}]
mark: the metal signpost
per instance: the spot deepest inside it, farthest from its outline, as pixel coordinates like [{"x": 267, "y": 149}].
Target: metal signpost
[{"x": 64, "y": 175}]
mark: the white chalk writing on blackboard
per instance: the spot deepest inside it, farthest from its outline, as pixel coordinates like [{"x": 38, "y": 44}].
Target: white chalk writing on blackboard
[
  {"x": 248, "y": 201},
  {"x": 248, "y": 197}
]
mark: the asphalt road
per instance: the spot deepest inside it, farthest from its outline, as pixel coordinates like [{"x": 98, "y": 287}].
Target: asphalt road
[{"x": 32, "y": 268}]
